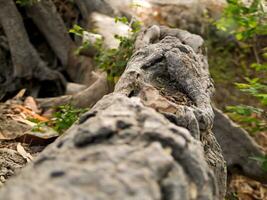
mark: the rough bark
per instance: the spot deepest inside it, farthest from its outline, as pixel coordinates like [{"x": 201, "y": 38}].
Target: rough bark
[
  {"x": 150, "y": 139},
  {"x": 27, "y": 64},
  {"x": 238, "y": 148}
]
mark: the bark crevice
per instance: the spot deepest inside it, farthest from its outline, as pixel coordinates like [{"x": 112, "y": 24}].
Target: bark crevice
[{"x": 125, "y": 148}]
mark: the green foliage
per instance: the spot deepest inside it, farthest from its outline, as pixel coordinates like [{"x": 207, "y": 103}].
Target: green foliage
[
  {"x": 244, "y": 110},
  {"x": 77, "y": 30},
  {"x": 113, "y": 61},
  {"x": 251, "y": 118},
  {"x": 243, "y": 21},
  {"x": 65, "y": 117},
  {"x": 262, "y": 161},
  {"x": 39, "y": 127},
  {"x": 259, "y": 67},
  {"x": 123, "y": 20},
  {"x": 26, "y": 2},
  {"x": 246, "y": 23},
  {"x": 255, "y": 87}
]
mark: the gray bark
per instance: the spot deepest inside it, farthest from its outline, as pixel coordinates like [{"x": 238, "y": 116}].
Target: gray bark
[
  {"x": 85, "y": 98},
  {"x": 45, "y": 16},
  {"x": 47, "y": 19},
  {"x": 150, "y": 139},
  {"x": 27, "y": 64},
  {"x": 238, "y": 148}
]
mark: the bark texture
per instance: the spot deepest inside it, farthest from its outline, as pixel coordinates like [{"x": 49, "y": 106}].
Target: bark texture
[{"x": 150, "y": 139}]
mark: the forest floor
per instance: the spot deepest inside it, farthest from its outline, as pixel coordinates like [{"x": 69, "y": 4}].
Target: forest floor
[
  {"x": 17, "y": 112},
  {"x": 29, "y": 145}
]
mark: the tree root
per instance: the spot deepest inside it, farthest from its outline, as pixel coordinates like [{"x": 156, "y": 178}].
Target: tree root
[
  {"x": 238, "y": 148},
  {"x": 136, "y": 142},
  {"x": 50, "y": 23},
  {"x": 27, "y": 64},
  {"x": 83, "y": 99}
]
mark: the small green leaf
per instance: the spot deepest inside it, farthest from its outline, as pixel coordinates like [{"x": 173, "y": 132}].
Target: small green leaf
[
  {"x": 123, "y": 20},
  {"x": 77, "y": 30}
]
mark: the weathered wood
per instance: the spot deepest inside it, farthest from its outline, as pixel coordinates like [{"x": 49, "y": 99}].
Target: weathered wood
[{"x": 150, "y": 139}]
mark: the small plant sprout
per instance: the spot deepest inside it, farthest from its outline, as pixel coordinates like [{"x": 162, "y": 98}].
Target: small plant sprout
[{"x": 65, "y": 117}]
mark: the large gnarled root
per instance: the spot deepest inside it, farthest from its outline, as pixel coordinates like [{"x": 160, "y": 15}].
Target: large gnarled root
[
  {"x": 44, "y": 14},
  {"x": 116, "y": 153},
  {"x": 173, "y": 63},
  {"x": 169, "y": 73},
  {"x": 132, "y": 145}
]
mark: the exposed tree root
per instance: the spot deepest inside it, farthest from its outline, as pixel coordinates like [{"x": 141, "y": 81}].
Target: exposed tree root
[
  {"x": 150, "y": 139},
  {"x": 238, "y": 148},
  {"x": 47, "y": 19},
  {"x": 73, "y": 88},
  {"x": 45, "y": 16},
  {"x": 27, "y": 64},
  {"x": 83, "y": 99}
]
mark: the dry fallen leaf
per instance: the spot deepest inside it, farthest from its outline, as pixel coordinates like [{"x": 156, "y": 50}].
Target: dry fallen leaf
[
  {"x": 19, "y": 95},
  {"x": 22, "y": 120},
  {"x": 2, "y": 137},
  {"x": 23, "y": 153},
  {"x": 30, "y": 113},
  {"x": 31, "y": 104}
]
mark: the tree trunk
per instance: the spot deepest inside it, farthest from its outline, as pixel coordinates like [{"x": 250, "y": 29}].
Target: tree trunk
[{"x": 150, "y": 139}]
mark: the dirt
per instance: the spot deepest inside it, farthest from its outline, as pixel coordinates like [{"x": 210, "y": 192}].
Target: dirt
[
  {"x": 16, "y": 140},
  {"x": 11, "y": 160},
  {"x": 242, "y": 188}
]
